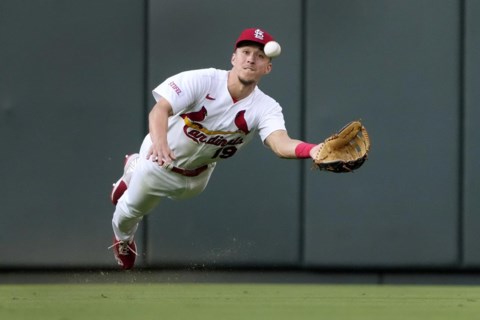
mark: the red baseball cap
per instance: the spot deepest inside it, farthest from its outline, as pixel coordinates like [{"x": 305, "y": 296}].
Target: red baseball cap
[{"x": 253, "y": 35}]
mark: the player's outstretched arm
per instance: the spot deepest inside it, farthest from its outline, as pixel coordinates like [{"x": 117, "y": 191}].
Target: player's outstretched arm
[{"x": 285, "y": 147}]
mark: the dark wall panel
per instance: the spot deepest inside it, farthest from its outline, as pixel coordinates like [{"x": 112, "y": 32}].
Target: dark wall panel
[
  {"x": 471, "y": 171},
  {"x": 249, "y": 213},
  {"x": 75, "y": 89},
  {"x": 395, "y": 65},
  {"x": 71, "y": 98}
]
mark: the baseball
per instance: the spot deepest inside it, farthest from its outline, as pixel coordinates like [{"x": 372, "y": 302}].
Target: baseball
[{"x": 272, "y": 49}]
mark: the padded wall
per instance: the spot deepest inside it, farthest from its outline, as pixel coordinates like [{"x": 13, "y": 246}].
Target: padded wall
[
  {"x": 71, "y": 102},
  {"x": 471, "y": 115},
  {"x": 75, "y": 85},
  {"x": 395, "y": 65},
  {"x": 249, "y": 213}
]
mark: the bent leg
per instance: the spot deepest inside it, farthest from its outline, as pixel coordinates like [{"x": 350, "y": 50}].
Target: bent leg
[
  {"x": 127, "y": 217},
  {"x": 139, "y": 199}
]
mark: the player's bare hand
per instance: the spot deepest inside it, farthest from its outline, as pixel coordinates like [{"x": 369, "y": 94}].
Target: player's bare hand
[
  {"x": 314, "y": 150},
  {"x": 161, "y": 154}
]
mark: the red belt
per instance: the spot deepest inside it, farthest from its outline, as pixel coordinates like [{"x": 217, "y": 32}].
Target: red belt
[{"x": 190, "y": 172}]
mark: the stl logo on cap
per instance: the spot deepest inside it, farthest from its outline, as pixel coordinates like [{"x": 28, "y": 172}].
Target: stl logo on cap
[
  {"x": 258, "y": 34},
  {"x": 253, "y": 35}
]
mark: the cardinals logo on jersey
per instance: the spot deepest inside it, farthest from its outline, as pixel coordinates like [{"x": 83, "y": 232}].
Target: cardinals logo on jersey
[
  {"x": 241, "y": 123},
  {"x": 198, "y": 133}
]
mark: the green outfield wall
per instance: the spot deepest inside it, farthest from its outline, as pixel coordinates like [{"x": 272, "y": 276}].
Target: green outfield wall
[{"x": 75, "y": 90}]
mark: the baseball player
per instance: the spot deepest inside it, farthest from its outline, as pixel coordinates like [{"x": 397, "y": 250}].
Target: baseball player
[{"x": 200, "y": 117}]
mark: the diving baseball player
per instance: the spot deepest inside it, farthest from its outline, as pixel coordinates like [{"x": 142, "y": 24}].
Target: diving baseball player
[{"x": 200, "y": 117}]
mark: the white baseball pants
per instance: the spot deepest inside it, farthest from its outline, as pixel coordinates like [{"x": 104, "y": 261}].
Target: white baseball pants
[{"x": 149, "y": 185}]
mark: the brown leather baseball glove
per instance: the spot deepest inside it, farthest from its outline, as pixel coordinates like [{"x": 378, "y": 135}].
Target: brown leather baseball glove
[{"x": 344, "y": 151}]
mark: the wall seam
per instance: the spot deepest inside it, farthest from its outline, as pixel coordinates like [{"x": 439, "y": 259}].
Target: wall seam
[
  {"x": 303, "y": 118},
  {"x": 145, "y": 87},
  {"x": 461, "y": 138}
]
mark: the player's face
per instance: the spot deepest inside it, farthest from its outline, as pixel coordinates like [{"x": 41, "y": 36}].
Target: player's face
[{"x": 250, "y": 63}]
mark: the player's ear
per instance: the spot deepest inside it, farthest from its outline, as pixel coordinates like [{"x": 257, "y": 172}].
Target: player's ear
[
  {"x": 233, "y": 58},
  {"x": 268, "y": 69}
]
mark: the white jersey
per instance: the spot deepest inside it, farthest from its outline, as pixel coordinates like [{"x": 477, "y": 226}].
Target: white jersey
[{"x": 207, "y": 125}]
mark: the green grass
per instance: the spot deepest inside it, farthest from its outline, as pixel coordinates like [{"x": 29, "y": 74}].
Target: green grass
[{"x": 237, "y": 301}]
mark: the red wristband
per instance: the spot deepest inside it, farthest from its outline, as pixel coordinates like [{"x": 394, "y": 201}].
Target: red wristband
[{"x": 302, "y": 150}]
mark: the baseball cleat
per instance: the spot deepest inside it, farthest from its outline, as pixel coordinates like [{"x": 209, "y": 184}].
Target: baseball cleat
[
  {"x": 125, "y": 253},
  {"x": 121, "y": 185}
]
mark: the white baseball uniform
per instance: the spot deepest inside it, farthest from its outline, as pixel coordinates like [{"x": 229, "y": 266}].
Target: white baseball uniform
[{"x": 207, "y": 126}]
